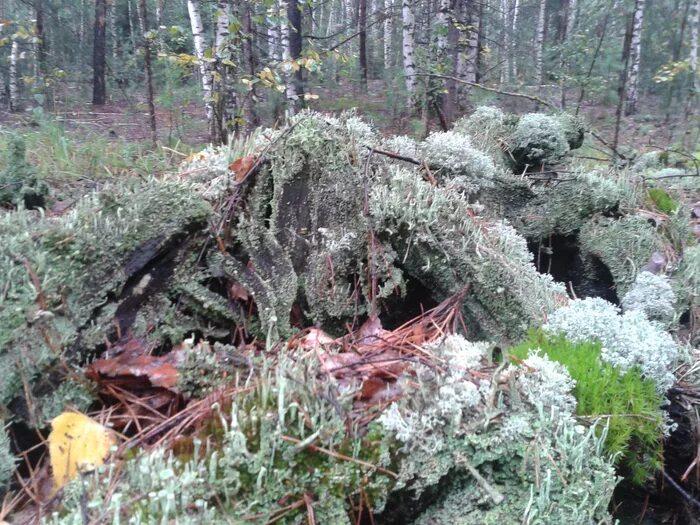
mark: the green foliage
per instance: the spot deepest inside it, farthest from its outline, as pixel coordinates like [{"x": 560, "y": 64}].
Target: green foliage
[{"x": 628, "y": 404}]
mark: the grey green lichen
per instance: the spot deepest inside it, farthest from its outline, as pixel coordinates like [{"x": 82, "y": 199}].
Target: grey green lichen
[
  {"x": 19, "y": 182},
  {"x": 286, "y": 438},
  {"x": 67, "y": 275}
]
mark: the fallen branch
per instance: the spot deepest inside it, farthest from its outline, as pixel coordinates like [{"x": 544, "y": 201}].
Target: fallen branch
[{"x": 493, "y": 90}]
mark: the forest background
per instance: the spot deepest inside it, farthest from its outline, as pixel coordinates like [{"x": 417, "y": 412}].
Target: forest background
[{"x": 103, "y": 81}]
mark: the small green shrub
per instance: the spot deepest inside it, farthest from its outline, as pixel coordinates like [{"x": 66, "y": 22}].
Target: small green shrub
[{"x": 630, "y": 405}]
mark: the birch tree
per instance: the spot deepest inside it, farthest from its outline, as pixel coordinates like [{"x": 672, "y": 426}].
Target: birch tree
[
  {"x": 388, "y": 33},
  {"x": 694, "y": 37},
  {"x": 539, "y": 50},
  {"x": 409, "y": 66},
  {"x": 224, "y": 96},
  {"x": 204, "y": 70},
  {"x": 632, "y": 84},
  {"x": 514, "y": 33},
  {"x": 14, "y": 88}
]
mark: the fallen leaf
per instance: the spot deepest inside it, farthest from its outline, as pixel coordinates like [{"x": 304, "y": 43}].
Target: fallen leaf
[
  {"x": 241, "y": 167},
  {"x": 236, "y": 291},
  {"x": 132, "y": 362},
  {"x": 77, "y": 444}
]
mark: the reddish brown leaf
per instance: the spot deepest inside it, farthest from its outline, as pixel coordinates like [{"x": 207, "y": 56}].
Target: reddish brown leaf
[
  {"x": 133, "y": 362},
  {"x": 241, "y": 167},
  {"x": 370, "y": 332}
]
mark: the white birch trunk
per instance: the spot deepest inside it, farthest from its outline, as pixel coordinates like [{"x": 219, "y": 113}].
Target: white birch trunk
[
  {"x": 159, "y": 12},
  {"x": 287, "y": 69},
  {"x": 200, "y": 46},
  {"x": 539, "y": 51},
  {"x": 443, "y": 20},
  {"x": 409, "y": 66},
  {"x": 694, "y": 42},
  {"x": 14, "y": 89},
  {"x": 632, "y": 87},
  {"x": 388, "y": 33}
]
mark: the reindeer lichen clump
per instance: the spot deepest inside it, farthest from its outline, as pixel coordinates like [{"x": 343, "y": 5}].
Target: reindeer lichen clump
[
  {"x": 289, "y": 436},
  {"x": 58, "y": 305},
  {"x": 7, "y": 459}
]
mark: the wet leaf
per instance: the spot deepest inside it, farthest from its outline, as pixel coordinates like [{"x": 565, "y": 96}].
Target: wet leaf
[
  {"x": 77, "y": 444},
  {"x": 241, "y": 167}
]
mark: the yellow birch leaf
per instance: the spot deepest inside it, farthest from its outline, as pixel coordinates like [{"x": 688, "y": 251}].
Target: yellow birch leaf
[{"x": 76, "y": 444}]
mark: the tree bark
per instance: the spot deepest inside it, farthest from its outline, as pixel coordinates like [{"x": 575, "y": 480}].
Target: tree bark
[
  {"x": 694, "y": 42},
  {"x": 632, "y": 95},
  {"x": 514, "y": 33},
  {"x": 504, "y": 55},
  {"x": 113, "y": 31},
  {"x": 99, "y": 87},
  {"x": 224, "y": 97},
  {"x": 14, "y": 88},
  {"x": 539, "y": 51},
  {"x": 388, "y": 34},
  {"x": 296, "y": 101},
  {"x": 409, "y": 66},
  {"x": 204, "y": 70},
  {"x": 251, "y": 116},
  {"x": 143, "y": 17},
  {"x": 362, "y": 23},
  {"x": 622, "y": 86}
]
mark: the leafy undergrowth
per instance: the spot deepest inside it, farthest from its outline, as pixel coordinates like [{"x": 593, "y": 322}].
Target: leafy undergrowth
[{"x": 630, "y": 405}]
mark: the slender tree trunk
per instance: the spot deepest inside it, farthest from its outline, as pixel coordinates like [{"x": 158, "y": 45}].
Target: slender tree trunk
[
  {"x": 409, "y": 66},
  {"x": 81, "y": 25},
  {"x": 224, "y": 98},
  {"x": 479, "y": 37},
  {"x": 143, "y": 18},
  {"x": 694, "y": 42},
  {"x": 99, "y": 88},
  {"x": 388, "y": 34},
  {"x": 632, "y": 87},
  {"x": 513, "y": 41},
  {"x": 14, "y": 88},
  {"x": 539, "y": 51},
  {"x": 249, "y": 65},
  {"x": 295, "y": 47},
  {"x": 504, "y": 55},
  {"x": 449, "y": 101},
  {"x": 204, "y": 71},
  {"x": 159, "y": 12},
  {"x": 273, "y": 32},
  {"x": 622, "y": 86},
  {"x": 475, "y": 18},
  {"x": 362, "y": 23},
  {"x": 113, "y": 31}
]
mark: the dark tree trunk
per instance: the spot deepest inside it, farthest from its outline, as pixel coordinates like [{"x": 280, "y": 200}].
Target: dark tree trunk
[
  {"x": 362, "y": 22},
  {"x": 42, "y": 54},
  {"x": 99, "y": 88},
  {"x": 449, "y": 100},
  {"x": 149, "y": 74},
  {"x": 622, "y": 85},
  {"x": 295, "y": 46},
  {"x": 481, "y": 40},
  {"x": 252, "y": 120}
]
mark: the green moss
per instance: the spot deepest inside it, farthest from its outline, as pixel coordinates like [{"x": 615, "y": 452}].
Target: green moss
[
  {"x": 7, "y": 459},
  {"x": 628, "y": 404},
  {"x": 662, "y": 200}
]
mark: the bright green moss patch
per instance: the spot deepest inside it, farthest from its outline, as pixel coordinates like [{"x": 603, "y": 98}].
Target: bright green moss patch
[
  {"x": 662, "y": 200},
  {"x": 629, "y": 404}
]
